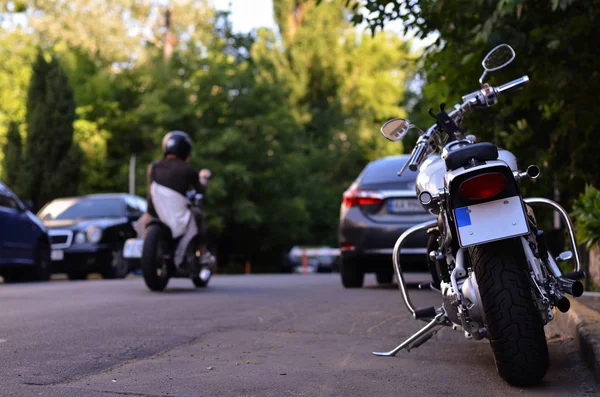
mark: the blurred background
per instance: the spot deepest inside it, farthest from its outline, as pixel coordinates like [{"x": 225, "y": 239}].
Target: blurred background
[{"x": 284, "y": 100}]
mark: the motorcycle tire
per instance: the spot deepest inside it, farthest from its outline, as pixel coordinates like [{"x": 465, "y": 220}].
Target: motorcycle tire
[
  {"x": 514, "y": 323},
  {"x": 156, "y": 241}
]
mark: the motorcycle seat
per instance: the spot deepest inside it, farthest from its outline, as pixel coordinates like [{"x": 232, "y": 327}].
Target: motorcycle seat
[{"x": 484, "y": 151}]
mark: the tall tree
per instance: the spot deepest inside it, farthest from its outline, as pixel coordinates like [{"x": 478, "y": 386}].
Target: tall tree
[
  {"x": 552, "y": 122},
  {"x": 12, "y": 162},
  {"x": 52, "y": 161}
]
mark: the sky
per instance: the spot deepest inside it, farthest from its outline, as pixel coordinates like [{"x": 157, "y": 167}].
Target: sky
[
  {"x": 248, "y": 14},
  {"x": 252, "y": 14}
]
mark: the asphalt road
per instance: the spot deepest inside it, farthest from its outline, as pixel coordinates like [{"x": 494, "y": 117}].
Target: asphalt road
[{"x": 244, "y": 336}]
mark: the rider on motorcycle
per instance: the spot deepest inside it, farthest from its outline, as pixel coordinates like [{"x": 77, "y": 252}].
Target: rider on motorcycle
[{"x": 168, "y": 181}]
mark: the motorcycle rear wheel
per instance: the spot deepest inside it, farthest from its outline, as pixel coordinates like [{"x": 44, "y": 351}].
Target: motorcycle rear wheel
[
  {"x": 514, "y": 323},
  {"x": 154, "y": 270}
]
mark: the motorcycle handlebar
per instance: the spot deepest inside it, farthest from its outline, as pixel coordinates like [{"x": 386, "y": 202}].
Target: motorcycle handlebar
[
  {"x": 469, "y": 101},
  {"x": 512, "y": 86},
  {"x": 417, "y": 156}
]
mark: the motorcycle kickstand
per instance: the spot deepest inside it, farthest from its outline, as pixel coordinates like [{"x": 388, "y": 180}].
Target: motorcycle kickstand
[{"x": 420, "y": 336}]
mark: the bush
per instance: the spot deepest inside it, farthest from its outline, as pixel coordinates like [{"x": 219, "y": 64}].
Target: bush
[{"x": 586, "y": 212}]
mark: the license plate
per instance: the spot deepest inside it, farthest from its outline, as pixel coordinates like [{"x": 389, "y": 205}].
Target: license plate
[
  {"x": 494, "y": 220},
  {"x": 403, "y": 206},
  {"x": 133, "y": 248},
  {"x": 57, "y": 255}
]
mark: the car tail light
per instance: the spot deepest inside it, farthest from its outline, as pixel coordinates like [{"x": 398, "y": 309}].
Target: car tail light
[
  {"x": 347, "y": 247},
  {"x": 362, "y": 197},
  {"x": 483, "y": 186}
]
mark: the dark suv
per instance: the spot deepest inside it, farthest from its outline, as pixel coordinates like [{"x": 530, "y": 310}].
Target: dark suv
[
  {"x": 376, "y": 209},
  {"x": 24, "y": 245}
]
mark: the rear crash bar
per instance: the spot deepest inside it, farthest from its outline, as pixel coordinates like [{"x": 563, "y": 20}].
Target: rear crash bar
[
  {"x": 567, "y": 221},
  {"x": 429, "y": 312}
]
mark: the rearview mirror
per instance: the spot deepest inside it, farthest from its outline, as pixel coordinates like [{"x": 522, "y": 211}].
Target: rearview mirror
[
  {"x": 496, "y": 59},
  {"x": 395, "y": 129}
]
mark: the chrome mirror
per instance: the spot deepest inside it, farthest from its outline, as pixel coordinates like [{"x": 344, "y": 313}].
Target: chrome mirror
[
  {"x": 496, "y": 59},
  {"x": 395, "y": 129}
]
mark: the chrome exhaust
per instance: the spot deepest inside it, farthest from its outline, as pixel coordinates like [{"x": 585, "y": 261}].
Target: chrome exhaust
[{"x": 571, "y": 287}]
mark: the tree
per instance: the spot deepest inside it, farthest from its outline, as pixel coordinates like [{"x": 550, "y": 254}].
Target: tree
[
  {"x": 12, "y": 162},
  {"x": 551, "y": 122},
  {"x": 52, "y": 162}
]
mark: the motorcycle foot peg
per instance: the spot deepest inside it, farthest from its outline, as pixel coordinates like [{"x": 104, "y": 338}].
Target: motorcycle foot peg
[
  {"x": 425, "y": 285},
  {"x": 575, "y": 275},
  {"x": 428, "y": 312},
  {"x": 563, "y": 305}
]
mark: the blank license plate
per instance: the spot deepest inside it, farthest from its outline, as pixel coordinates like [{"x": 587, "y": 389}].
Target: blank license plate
[
  {"x": 57, "y": 255},
  {"x": 494, "y": 220},
  {"x": 403, "y": 206},
  {"x": 133, "y": 248}
]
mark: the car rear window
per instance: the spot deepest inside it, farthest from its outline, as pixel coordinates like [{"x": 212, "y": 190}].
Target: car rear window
[{"x": 386, "y": 170}]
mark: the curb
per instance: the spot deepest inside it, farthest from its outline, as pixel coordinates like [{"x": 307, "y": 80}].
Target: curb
[{"x": 583, "y": 324}]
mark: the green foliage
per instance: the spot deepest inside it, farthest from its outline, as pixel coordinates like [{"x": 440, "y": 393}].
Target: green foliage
[
  {"x": 285, "y": 122},
  {"x": 551, "y": 122},
  {"x": 51, "y": 162},
  {"x": 586, "y": 212},
  {"x": 12, "y": 149}
]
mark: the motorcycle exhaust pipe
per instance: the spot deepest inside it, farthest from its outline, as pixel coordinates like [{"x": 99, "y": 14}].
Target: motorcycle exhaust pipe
[
  {"x": 563, "y": 304},
  {"x": 571, "y": 287}
]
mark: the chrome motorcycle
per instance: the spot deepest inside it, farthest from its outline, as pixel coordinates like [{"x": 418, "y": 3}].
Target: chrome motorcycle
[{"x": 496, "y": 275}]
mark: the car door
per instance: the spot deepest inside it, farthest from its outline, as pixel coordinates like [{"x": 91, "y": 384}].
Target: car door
[{"x": 17, "y": 231}]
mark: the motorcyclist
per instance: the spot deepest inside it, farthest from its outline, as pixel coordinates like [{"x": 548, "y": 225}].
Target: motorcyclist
[{"x": 168, "y": 181}]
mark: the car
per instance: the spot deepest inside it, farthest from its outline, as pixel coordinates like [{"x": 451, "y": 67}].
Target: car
[
  {"x": 87, "y": 233},
  {"x": 24, "y": 243},
  {"x": 376, "y": 209},
  {"x": 318, "y": 260}
]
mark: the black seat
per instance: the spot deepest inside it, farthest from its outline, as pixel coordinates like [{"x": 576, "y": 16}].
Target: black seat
[{"x": 484, "y": 151}]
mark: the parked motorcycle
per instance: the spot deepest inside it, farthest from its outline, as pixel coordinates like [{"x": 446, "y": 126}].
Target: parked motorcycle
[
  {"x": 156, "y": 253},
  {"x": 491, "y": 265}
]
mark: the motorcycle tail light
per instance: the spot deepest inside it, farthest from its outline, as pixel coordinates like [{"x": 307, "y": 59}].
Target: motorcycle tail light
[
  {"x": 354, "y": 198},
  {"x": 483, "y": 186}
]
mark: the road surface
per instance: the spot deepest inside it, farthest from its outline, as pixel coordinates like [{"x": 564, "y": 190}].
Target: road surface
[{"x": 272, "y": 335}]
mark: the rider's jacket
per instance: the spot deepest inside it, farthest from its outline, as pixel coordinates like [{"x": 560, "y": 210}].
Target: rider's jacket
[{"x": 168, "y": 182}]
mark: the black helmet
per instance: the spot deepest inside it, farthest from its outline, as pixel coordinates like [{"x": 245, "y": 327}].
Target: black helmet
[{"x": 177, "y": 143}]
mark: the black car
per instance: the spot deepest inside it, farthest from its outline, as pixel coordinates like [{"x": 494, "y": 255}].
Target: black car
[
  {"x": 87, "y": 233},
  {"x": 376, "y": 209},
  {"x": 24, "y": 244}
]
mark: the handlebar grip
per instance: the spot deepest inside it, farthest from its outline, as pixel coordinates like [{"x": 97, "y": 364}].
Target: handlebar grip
[
  {"x": 512, "y": 86},
  {"x": 417, "y": 156}
]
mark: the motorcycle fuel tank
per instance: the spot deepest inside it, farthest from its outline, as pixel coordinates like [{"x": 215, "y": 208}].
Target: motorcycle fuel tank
[{"x": 432, "y": 171}]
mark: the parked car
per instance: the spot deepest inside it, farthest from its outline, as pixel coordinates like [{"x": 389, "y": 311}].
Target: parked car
[
  {"x": 87, "y": 233},
  {"x": 319, "y": 260},
  {"x": 376, "y": 209},
  {"x": 24, "y": 244}
]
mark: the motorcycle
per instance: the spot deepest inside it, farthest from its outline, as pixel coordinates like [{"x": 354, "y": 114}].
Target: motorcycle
[
  {"x": 156, "y": 253},
  {"x": 491, "y": 265}
]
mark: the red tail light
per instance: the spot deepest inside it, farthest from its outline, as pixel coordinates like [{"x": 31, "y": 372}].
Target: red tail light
[
  {"x": 483, "y": 186},
  {"x": 362, "y": 197},
  {"x": 347, "y": 247}
]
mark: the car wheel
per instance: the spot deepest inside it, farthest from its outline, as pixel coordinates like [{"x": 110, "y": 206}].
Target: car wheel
[
  {"x": 385, "y": 276},
  {"x": 42, "y": 267},
  {"x": 14, "y": 276},
  {"x": 77, "y": 275},
  {"x": 118, "y": 267},
  {"x": 352, "y": 275}
]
